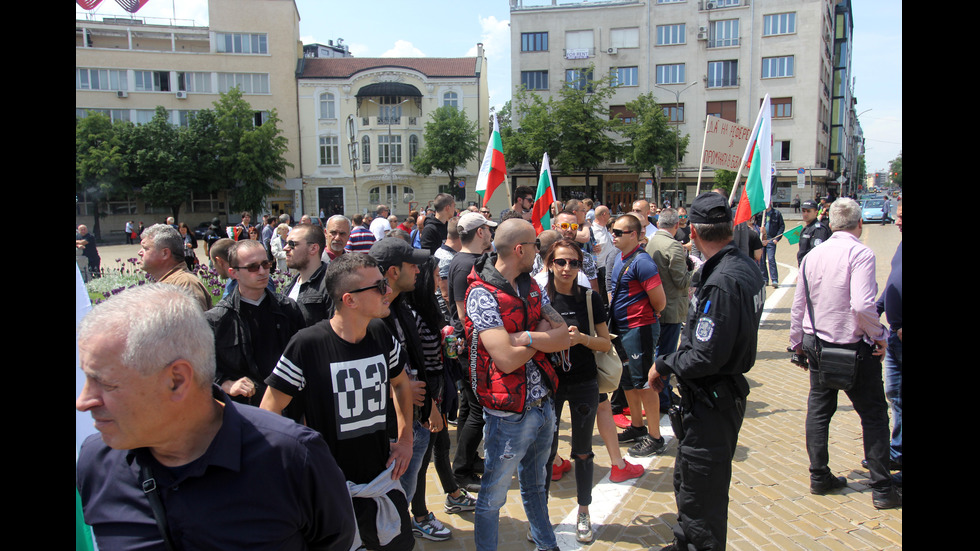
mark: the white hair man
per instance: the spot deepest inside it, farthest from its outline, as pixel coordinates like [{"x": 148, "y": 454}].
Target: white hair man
[{"x": 168, "y": 435}]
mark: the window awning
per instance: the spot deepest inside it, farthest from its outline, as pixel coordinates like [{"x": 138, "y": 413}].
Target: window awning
[{"x": 389, "y": 89}]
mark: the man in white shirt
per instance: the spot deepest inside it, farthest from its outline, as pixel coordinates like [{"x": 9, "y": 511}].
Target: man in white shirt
[{"x": 380, "y": 225}]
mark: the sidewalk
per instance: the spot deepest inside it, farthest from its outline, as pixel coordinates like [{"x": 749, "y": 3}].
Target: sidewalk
[{"x": 770, "y": 506}]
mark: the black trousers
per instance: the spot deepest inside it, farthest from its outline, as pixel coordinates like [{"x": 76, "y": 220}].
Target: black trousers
[
  {"x": 703, "y": 470},
  {"x": 469, "y": 432}
]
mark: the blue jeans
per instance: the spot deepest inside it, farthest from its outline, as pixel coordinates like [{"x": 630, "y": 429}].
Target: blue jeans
[
  {"x": 518, "y": 442},
  {"x": 669, "y": 335},
  {"x": 893, "y": 391},
  {"x": 420, "y": 443},
  {"x": 640, "y": 344},
  {"x": 769, "y": 257}
]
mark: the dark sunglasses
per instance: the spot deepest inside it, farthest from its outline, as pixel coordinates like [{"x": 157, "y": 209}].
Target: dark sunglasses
[
  {"x": 574, "y": 263},
  {"x": 381, "y": 285},
  {"x": 536, "y": 243},
  {"x": 293, "y": 244},
  {"x": 255, "y": 267},
  {"x": 619, "y": 233}
]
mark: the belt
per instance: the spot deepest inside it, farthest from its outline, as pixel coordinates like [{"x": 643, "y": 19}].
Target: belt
[{"x": 538, "y": 402}]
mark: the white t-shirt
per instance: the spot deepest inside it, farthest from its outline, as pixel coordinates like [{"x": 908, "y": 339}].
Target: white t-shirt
[{"x": 380, "y": 227}]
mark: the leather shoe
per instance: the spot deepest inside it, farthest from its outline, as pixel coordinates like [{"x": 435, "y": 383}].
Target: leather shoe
[
  {"x": 886, "y": 500},
  {"x": 829, "y": 484}
]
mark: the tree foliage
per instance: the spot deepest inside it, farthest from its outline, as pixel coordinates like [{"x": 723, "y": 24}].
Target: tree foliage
[
  {"x": 895, "y": 170},
  {"x": 538, "y": 132},
  {"x": 651, "y": 141},
  {"x": 451, "y": 141},
  {"x": 587, "y": 133},
  {"x": 724, "y": 179},
  {"x": 101, "y": 161}
]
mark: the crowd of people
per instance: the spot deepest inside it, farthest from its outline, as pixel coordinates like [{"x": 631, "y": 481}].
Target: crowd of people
[{"x": 393, "y": 330}]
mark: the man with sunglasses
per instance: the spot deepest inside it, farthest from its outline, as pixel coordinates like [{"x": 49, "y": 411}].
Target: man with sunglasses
[
  {"x": 523, "y": 202},
  {"x": 304, "y": 249},
  {"x": 251, "y": 326},
  {"x": 342, "y": 372}
]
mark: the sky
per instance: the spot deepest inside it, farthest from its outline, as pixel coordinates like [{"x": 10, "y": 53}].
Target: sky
[{"x": 452, "y": 28}]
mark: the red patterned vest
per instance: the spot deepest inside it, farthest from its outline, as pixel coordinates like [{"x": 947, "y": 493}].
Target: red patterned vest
[{"x": 493, "y": 388}]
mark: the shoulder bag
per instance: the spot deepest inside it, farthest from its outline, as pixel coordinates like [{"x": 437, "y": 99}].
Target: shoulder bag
[
  {"x": 608, "y": 365},
  {"x": 836, "y": 363}
]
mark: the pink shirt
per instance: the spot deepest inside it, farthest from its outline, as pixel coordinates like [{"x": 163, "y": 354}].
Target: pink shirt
[{"x": 841, "y": 276}]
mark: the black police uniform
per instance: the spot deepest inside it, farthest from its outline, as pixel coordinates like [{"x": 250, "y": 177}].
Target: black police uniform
[
  {"x": 718, "y": 345},
  {"x": 812, "y": 235}
]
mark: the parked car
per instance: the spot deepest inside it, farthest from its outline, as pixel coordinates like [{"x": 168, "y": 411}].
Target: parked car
[{"x": 201, "y": 229}]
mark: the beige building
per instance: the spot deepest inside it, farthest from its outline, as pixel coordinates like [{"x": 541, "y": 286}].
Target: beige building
[
  {"x": 126, "y": 67},
  {"x": 377, "y": 108},
  {"x": 717, "y": 57}
]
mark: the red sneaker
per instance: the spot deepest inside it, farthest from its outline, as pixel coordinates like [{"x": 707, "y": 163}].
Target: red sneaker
[
  {"x": 626, "y": 473},
  {"x": 621, "y": 420},
  {"x": 560, "y": 469}
]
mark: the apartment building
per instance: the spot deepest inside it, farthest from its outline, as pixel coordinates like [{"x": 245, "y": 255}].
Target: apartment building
[
  {"x": 126, "y": 66},
  {"x": 699, "y": 58},
  {"x": 375, "y": 109}
]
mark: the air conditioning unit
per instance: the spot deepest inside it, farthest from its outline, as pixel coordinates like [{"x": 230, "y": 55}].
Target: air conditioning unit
[
  {"x": 122, "y": 94},
  {"x": 702, "y": 29},
  {"x": 612, "y": 51},
  {"x": 702, "y": 35},
  {"x": 709, "y": 6},
  {"x": 181, "y": 94}
]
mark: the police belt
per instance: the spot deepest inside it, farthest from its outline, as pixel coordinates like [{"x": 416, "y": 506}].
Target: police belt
[{"x": 714, "y": 391}]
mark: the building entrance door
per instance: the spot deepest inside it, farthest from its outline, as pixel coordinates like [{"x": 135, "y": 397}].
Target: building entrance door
[{"x": 620, "y": 196}]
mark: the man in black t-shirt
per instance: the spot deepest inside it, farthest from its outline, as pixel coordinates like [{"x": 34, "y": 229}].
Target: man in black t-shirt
[{"x": 344, "y": 367}]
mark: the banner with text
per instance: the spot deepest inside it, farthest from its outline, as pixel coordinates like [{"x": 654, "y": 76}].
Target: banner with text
[{"x": 724, "y": 143}]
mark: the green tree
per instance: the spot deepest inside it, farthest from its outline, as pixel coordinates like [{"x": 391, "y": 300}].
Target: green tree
[
  {"x": 101, "y": 162},
  {"x": 651, "y": 141},
  {"x": 167, "y": 166},
  {"x": 248, "y": 157},
  {"x": 895, "y": 170},
  {"x": 586, "y": 138},
  {"x": 538, "y": 132},
  {"x": 451, "y": 141},
  {"x": 724, "y": 180}
]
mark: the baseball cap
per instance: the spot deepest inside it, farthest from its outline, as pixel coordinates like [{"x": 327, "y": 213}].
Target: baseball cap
[
  {"x": 710, "y": 208},
  {"x": 472, "y": 220},
  {"x": 392, "y": 251},
  {"x": 809, "y": 204}
]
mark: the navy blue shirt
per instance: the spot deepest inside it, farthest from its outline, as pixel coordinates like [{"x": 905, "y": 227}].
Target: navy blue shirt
[
  {"x": 265, "y": 482},
  {"x": 890, "y": 301}
]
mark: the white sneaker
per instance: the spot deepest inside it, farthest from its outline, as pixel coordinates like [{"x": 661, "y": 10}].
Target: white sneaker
[
  {"x": 583, "y": 531},
  {"x": 430, "y": 529}
]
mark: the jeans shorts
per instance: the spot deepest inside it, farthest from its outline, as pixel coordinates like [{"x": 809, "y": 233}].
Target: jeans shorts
[{"x": 640, "y": 344}]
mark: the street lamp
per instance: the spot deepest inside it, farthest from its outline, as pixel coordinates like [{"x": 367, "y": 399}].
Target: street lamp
[
  {"x": 391, "y": 168},
  {"x": 677, "y": 140}
]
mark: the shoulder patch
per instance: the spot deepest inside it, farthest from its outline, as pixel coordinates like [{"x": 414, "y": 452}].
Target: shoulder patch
[{"x": 705, "y": 329}]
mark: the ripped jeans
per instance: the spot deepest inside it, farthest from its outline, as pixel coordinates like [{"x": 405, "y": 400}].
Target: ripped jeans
[
  {"x": 516, "y": 442},
  {"x": 583, "y": 402}
]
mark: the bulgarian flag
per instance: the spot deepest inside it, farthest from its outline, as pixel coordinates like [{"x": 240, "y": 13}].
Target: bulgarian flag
[
  {"x": 758, "y": 160},
  {"x": 543, "y": 198},
  {"x": 493, "y": 171}
]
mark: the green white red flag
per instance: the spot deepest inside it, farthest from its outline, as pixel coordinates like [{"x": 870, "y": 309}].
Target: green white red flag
[
  {"x": 543, "y": 198},
  {"x": 493, "y": 171},
  {"x": 758, "y": 160}
]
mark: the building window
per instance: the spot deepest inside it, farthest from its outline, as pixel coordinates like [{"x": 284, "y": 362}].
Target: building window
[
  {"x": 723, "y": 73},
  {"x": 778, "y": 23},
  {"x": 534, "y": 42},
  {"x": 579, "y": 79},
  {"x": 673, "y": 111},
  {"x": 260, "y": 117},
  {"x": 328, "y": 108},
  {"x": 723, "y": 33},
  {"x": 241, "y": 43},
  {"x": 579, "y": 44},
  {"x": 389, "y": 152},
  {"x": 248, "y": 83},
  {"x": 671, "y": 74},
  {"x": 206, "y": 202},
  {"x": 623, "y": 76},
  {"x": 413, "y": 147},
  {"x": 670, "y": 1},
  {"x": 622, "y": 113},
  {"x": 775, "y": 67},
  {"x": 184, "y": 117},
  {"x": 100, "y": 79},
  {"x": 329, "y": 151},
  {"x": 450, "y": 99},
  {"x": 625, "y": 38},
  {"x": 671, "y": 34},
  {"x": 782, "y": 108},
  {"x": 144, "y": 116},
  {"x": 722, "y": 109},
  {"x": 195, "y": 83},
  {"x": 780, "y": 150},
  {"x": 152, "y": 81},
  {"x": 534, "y": 80},
  {"x": 366, "y": 150}
]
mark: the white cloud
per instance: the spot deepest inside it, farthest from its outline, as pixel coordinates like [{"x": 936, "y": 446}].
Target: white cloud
[
  {"x": 403, "y": 48},
  {"x": 495, "y": 36}
]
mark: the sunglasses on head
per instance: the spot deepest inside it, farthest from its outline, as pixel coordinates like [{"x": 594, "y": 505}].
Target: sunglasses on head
[
  {"x": 619, "y": 233},
  {"x": 381, "y": 285},
  {"x": 255, "y": 267},
  {"x": 574, "y": 263},
  {"x": 568, "y": 225}
]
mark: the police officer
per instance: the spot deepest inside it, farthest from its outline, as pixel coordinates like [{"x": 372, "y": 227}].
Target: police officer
[
  {"x": 718, "y": 345},
  {"x": 814, "y": 233}
]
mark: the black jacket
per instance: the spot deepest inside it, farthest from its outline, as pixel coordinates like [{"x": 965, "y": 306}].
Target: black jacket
[
  {"x": 812, "y": 235},
  {"x": 314, "y": 298},
  {"x": 233, "y": 339}
]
